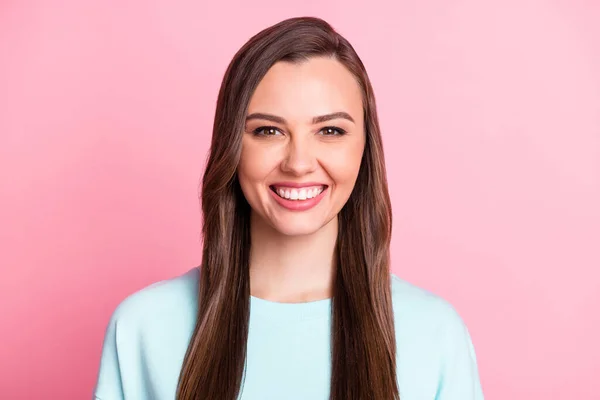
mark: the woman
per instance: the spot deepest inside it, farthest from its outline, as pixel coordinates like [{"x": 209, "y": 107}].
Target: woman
[{"x": 294, "y": 298}]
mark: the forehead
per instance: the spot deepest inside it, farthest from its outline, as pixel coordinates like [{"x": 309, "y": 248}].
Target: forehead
[{"x": 299, "y": 91}]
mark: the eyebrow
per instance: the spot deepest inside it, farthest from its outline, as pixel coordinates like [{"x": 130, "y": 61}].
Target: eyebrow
[{"x": 315, "y": 120}]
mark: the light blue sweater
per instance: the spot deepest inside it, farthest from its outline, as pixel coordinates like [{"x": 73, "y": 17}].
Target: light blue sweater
[{"x": 288, "y": 355}]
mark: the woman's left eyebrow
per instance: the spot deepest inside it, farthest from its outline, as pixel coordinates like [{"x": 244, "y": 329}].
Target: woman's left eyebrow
[{"x": 315, "y": 120}]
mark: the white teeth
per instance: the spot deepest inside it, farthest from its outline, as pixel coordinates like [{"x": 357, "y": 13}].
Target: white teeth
[{"x": 299, "y": 194}]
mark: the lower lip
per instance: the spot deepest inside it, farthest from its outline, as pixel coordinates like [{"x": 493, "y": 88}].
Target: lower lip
[{"x": 298, "y": 205}]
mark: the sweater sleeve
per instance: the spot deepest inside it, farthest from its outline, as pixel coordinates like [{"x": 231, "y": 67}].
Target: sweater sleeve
[
  {"x": 108, "y": 383},
  {"x": 459, "y": 375}
]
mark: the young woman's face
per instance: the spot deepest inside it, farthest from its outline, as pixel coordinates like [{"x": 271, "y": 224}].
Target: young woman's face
[{"x": 303, "y": 144}]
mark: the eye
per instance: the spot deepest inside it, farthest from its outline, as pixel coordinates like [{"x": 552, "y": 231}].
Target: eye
[
  {"x": 272, "y": 131},
  {"x": 265, "y": 131},
  {"x": 331, "y": 131}
]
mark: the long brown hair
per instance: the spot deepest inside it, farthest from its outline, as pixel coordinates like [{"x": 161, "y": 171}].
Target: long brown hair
[{"x": 363, "y": 339}]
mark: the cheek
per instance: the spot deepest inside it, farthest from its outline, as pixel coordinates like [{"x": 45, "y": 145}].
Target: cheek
[
  {"x": 245, "y": 173},
  {"x": 255, "y": 165},
  {"x": 343, "y": 165}
]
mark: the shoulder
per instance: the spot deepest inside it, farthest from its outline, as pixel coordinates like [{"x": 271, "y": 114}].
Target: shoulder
[
  {"x": 159, "y": 299},
  {"x": 150, "y": 327},
  {"x": 436, "y": 357},
  {"x": 420, "y": 311}
]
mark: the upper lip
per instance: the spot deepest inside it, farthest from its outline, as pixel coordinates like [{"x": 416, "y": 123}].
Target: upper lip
[{"x": 298, "y": 185}]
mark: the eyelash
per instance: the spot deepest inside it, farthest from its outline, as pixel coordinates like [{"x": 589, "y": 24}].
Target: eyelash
[{"x": 257, "y": 131}]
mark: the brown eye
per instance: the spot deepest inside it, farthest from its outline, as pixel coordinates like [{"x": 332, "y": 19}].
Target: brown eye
[
  {"x": 332, "y": 131},
  {"x": 265, "y": 131}
]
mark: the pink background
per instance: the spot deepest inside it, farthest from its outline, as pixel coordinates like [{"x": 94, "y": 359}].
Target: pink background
[{"x": 491, "y": 119}]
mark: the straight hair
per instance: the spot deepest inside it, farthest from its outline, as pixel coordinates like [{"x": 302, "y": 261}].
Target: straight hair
[{"x": 362, "y": 333}]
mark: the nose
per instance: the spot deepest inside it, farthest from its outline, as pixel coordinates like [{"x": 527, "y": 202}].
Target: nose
[{"x": 300, "y": 157}]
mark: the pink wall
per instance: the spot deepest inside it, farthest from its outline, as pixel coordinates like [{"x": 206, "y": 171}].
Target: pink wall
[{"x": 491, "y": 120}]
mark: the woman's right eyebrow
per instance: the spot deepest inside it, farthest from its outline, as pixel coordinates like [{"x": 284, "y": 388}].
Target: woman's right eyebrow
[
  {"x": 268, "y": 117},
  {"x": 316, "y": 120}
]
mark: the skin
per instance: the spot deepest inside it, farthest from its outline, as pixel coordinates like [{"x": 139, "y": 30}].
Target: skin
[{"x": 292, "y": 254}]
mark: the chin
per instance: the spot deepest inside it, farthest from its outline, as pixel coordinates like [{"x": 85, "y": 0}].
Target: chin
[{"x": 297, "y": 229}]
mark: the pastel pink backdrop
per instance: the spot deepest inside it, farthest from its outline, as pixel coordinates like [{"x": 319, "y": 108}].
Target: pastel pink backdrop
[{"x": 490, "y": 113}]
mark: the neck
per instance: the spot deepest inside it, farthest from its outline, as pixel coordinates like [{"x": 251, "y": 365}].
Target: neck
[{"x": 292, "y": 269}]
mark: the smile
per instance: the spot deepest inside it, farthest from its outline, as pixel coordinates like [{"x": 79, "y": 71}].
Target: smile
[
  {"x": 296, "y": 194},
  {"x": 298, "y": 199}
]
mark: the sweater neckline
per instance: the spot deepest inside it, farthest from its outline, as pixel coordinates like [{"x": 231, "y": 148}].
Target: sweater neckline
[
  {"x": 277, "y": 311},
  {"x": 287, "y": 312}
]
